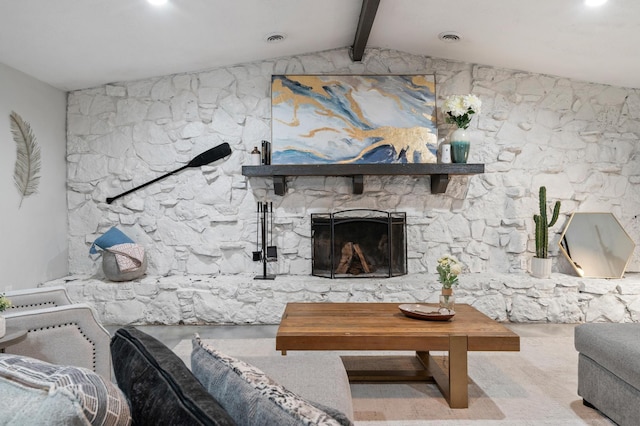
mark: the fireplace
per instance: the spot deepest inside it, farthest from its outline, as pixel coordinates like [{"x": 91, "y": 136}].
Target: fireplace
[{"x": 358, "y": 244}]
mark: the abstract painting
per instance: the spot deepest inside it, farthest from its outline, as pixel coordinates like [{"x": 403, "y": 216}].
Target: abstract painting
[{"x": 353, "y": 119}]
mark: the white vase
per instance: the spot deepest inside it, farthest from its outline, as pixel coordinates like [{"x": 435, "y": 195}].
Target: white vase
[
  {"x": 460, "y": 142},
  {"x": 541, "y": 268},
  {"x": 3, "y": 326}
]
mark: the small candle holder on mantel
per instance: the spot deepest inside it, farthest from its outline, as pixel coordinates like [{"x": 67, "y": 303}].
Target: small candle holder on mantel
[{"x": 445, "y": 151}]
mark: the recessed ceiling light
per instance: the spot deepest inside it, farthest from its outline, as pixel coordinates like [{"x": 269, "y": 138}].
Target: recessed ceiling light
[
  {"x": 157, "y": 2},
  {"x": 450, "y": 37},
  {"x": 594, "y": 3},
  {"x": 275, "y": 37}
]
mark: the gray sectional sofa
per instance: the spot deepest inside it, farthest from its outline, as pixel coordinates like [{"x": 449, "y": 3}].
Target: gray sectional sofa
[
  {"x": 609, "y": 369},
  {"x": 153, "y": 384},
  {"x": 222, "y": 390},
  {"x": 155, "y": 387}
]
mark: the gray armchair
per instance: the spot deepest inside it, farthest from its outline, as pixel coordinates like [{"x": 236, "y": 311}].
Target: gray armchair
[{"x": 59, "y": 331}]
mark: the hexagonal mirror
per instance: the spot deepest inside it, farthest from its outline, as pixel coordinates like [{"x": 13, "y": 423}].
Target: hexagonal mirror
[{"x": 596, "y": 245}]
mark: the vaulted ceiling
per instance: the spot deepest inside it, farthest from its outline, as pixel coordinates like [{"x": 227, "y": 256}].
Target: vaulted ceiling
[{"x": 75, "y": 44}]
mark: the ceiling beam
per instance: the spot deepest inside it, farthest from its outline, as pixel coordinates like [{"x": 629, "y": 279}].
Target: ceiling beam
[{"x": 367, "y": 15}]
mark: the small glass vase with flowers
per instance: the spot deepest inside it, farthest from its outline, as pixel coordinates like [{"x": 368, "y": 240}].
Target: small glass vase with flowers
[{"x": 448, "y": 270}]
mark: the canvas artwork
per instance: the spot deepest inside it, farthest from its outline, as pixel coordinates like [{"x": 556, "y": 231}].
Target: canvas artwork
[{"x": 353, "y": 119}]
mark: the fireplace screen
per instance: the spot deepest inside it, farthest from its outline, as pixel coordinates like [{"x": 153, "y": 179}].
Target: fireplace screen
[{"x": 358, "y": 243}]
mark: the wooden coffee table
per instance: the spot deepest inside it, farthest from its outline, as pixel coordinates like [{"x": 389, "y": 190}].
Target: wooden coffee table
[{"x": 383, "y": 327}]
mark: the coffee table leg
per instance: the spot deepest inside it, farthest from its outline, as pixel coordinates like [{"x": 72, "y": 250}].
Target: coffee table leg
[
  {"x": 458, "y": 377},
  {"x": 450, "y": 374}
]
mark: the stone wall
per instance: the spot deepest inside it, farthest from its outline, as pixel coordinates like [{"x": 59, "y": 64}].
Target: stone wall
[
  {"x": 238, "y": 299},
  {"x": 579, "y": 139}
]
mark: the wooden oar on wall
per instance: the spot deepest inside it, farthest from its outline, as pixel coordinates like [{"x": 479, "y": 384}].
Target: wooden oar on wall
[{"x": 214, "y": 154}]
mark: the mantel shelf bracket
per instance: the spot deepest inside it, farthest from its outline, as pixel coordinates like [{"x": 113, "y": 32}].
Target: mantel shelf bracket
[
  {"x": 439, "y": 184},
  {"x": 439, "y": 173},
  {"x": 279, "y": 184},
  {"x": 358, "y": 184}
]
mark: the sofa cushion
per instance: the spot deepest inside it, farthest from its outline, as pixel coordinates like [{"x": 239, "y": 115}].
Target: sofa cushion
[
  {"x": 320, "y": 378},
  {"x": 615, "y": 347},
  {"x": 160, "y": 387},
  {"x": 35, "y": 392},
  {"x": 250, "y": 396}
]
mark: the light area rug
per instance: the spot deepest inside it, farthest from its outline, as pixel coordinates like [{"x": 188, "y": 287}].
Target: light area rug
[{"x": 536, "y": 386}]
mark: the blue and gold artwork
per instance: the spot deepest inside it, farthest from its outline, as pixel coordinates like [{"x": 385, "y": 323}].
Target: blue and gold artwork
[{"x": 348, "y": 119}]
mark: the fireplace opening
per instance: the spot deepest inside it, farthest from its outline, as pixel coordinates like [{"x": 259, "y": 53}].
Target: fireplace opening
[{"x": 358, "y": 244}]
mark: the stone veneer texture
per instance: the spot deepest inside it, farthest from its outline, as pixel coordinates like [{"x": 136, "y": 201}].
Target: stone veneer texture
[
  {"x": 578, "y": 139},
  {"x": 238, "y": 299}
]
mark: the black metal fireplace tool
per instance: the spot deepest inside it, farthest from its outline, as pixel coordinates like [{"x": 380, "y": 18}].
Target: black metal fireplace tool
[
  {"x": 265, "y": 253},
  {"x": 209, "y": 156}
]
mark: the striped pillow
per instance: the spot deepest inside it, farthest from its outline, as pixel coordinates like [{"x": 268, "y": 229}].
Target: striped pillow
[{"x": 63, "y": 394}]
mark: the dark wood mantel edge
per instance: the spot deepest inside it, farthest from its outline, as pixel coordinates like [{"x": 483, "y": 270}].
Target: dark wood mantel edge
[
  {"x": 363, "y": 169},
  {"x": 439, "y": 172}
]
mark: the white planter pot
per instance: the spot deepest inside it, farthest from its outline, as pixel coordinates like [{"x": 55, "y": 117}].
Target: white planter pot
[
  {"x": 541, "y": 268},
  {"x": 3, "y": 326}
]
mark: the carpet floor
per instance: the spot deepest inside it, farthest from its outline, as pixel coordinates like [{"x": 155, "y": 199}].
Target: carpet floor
[{"x": 536, "y": 386}]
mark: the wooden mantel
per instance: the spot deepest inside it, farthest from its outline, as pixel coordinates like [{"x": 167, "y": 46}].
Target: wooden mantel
[{"x": 439, "y": 173}]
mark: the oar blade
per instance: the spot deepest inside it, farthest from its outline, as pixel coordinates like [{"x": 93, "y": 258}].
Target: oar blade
[{"x": 214, "y": 154}]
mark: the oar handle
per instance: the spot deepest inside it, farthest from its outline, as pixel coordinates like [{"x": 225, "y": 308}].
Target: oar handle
[{"x": 111, "y": 199}]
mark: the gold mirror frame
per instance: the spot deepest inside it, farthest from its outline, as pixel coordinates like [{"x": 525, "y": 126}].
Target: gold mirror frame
[{"x": 596, "y": 245}]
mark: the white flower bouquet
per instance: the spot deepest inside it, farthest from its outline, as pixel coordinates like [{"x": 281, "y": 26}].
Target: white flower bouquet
[
  {"x": 460, "y": 108},
  {"x": 448, "y": 270}
]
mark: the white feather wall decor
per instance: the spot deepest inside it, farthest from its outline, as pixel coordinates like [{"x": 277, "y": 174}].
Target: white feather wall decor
[{"x": 26, "y": 173}]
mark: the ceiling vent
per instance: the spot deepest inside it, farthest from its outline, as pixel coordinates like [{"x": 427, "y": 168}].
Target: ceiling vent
[
  {"x": 450, "y": 37},
  {"x": 275, "y": 37}
]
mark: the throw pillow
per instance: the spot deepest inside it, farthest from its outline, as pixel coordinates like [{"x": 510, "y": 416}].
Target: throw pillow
[
  {"x": 112, "y": 271},
  {"x": 35, "y": 392},
  {"x": 160, "y": 387},
  {"x": 110, "y": 238},
  {"x": 249, "y": 395}
]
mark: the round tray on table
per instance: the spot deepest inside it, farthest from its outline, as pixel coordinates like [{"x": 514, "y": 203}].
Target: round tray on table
[{"x": 426, "y": 312}]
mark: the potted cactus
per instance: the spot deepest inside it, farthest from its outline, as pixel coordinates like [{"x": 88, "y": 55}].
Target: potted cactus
[{"x": 541, "y": 264}]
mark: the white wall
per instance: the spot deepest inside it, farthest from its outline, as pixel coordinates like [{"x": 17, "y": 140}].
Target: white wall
[{"x": 34, "y": 245}]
